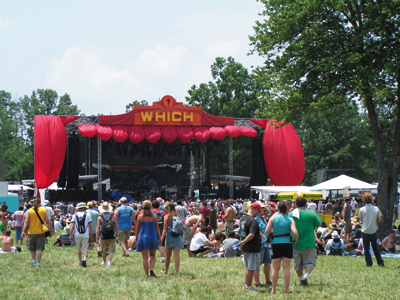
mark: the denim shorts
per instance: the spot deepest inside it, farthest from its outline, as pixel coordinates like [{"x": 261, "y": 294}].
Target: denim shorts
[{"x": 265, "y": 256}]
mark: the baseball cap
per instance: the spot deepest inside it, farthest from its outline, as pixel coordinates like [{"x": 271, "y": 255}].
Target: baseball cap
[
  {"x": 45, "y": 202},
  {"x": 123, "y": 200},
  {"x": 256, "y": 205}
]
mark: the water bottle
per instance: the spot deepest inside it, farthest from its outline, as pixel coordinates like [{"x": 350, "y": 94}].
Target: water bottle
[
  {"x": 237, "y": 246},
  {"x": 270, "y": 250}
]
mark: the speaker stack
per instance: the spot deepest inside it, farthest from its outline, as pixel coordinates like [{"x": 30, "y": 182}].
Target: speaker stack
[{"x": 259, "y": 176}]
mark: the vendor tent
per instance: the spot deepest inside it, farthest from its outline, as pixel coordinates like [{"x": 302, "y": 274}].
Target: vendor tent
[
  {"x": 265, "y": 191},
  {"x": 342, "y": 181}
]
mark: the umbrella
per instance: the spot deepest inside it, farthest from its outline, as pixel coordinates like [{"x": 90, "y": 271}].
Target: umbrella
[{"x": 271, "y": 203}]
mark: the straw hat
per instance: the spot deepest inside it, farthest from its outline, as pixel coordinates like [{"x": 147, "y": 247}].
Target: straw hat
[
  {"x": 332, "y": 226},
  {"x": 105, "y": 207},
  {"x": 81, "y": 205}
]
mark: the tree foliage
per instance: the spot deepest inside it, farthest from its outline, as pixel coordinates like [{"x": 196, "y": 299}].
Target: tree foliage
[
  {"x": 319, "y": 54},
  {"x": 129, "y": 107},
  {"x": 15, "y": 157}
]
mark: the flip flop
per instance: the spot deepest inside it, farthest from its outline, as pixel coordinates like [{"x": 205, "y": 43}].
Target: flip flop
[
  {"x": 163, "y": 272},
  {"x": 268, "y": 283}
]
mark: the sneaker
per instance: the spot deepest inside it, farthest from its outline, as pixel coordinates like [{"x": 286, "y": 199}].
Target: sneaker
[
  {"x": 130, "y": 250},
  {"x": 33, "y": 264},
  {"x": 382, "y": 265},
  {"x": 250, "y": 288},
  {"x": 103, "y": 263},
  {"x": 84, "y": 263},
  {"x": 303, "y": 282},
  {"x": 163, "y": 260},
  {"x": 38, "y": 265},
  {"x": 109, "y": 264}
]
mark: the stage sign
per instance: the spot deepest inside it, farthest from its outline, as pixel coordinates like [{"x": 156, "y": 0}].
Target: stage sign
[
  {"x": 364, "y": 191},
  {"x": 167, "y": 112}
]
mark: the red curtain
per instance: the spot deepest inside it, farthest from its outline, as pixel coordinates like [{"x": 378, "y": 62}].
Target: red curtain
[
  {"x": 50, "y": 146},
  {"x": 283, "y": 155}
]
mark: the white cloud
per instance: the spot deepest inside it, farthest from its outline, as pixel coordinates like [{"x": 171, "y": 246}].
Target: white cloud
[
  {"x": 4, "y": 23},
  {"x": 226, "y": 48},
  {"x": 161, "y": 59}
]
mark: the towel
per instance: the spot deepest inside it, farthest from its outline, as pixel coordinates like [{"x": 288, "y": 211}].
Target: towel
[{"x": 296, "y": 213}]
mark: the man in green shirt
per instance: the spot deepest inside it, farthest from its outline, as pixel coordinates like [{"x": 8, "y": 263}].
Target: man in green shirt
[{"x": 305, "y": 253}]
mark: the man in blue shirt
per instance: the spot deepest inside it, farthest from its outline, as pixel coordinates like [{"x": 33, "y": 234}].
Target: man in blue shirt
[
  {"x": 335, "y": 244},
  {"x": 124, "y": 215}
]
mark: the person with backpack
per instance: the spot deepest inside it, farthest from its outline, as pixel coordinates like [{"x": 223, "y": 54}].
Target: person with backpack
[
  {"x": 81, "y": 227},
  {"x": 107, "y": 229},
  {"x": 125, "y": 215},
  {"x": 160, "y": 214},
  {"x": 173, "y": 228},
  {"x": 335, "y": 246},
  {"x": 148, "y": 237}
]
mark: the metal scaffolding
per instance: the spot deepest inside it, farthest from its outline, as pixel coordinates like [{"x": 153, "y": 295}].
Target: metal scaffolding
[
  {"x": 99, "y": 170},
  {"x": 230, "y": 167}
]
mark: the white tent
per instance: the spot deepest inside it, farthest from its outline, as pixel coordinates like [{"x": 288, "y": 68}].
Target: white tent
[
  {"x": 343, "y": 181},
  {"x": 265, "y": 191}
]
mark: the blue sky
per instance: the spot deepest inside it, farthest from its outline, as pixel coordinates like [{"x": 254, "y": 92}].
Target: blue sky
[{"x": 106, "y": 54}]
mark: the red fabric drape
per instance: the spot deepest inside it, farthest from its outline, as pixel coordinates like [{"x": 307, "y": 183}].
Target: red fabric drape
[
  {"x": 217, "y": 133},
  {"x": 104, "y": 132},
  {"x": 283, "y": 155},
  {"x": 169, "y": 133},
  {"x": 120, "y": 133},
  {"x": 201, "y": 134},
  {"x": 89, "y": 130},
  {"x": 152, "y": 133},
  {"x": 50, "y": 146},
  {"x": 136, "y": 134},
  {"x": 232, "y": 131},
  {"x": 185, "y": 134}
]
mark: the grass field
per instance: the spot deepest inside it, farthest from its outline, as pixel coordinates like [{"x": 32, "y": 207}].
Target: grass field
[{"x": 62, "y": 278}]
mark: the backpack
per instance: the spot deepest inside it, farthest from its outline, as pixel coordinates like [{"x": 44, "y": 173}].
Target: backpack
[
  {"x": 177, "y": 226},
  {"x": 160, "y": 219},
  {"x": 80, "y": 223},
  {"x": 336, "y": 250},
  {"x": 107, "y": 227}
]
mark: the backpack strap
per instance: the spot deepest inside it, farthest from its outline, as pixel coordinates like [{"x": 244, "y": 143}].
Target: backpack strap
[{"x": 40, "y": 219}]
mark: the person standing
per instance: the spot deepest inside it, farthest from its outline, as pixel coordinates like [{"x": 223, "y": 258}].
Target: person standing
[
  {"x": 81, "y": 227},
  {"x": 347, "y": 219},
  {"x": 213, "y": 216},
  {"x": 94, "y": 215},
  {"x": 229, "y": 217},
  {"x": 148, "y": 237},
  {"x": 124, "y": 214},
  {"x": 34, "y": 218},
  {"x": 172, "y": 244},
  {"x": 109, "y": 232},
  {"x": 370, "y": 216},
  {"x": 282, "y": 244},
  {"x": 18, "y": 219},
  {"x": 250, "y": 244},
  {"x": 305, "y": 249},
  {"x": 3, "y": 223}
]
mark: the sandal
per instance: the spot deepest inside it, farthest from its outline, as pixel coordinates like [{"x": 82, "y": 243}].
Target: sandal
[
  {"x": 163, "y": 272},
  {"x": 268, "y": 283},
  {"x": 290, "y": 292},
  {"x": 259, "y": 285}
]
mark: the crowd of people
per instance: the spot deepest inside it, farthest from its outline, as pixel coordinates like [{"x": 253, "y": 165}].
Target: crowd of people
[{"x": 260, "y": 233}]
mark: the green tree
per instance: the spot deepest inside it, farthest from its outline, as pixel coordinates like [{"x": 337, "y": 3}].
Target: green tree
[
  {"x": 15, "y": 157},
  {"x": 129, "y": 107},
  {"x": 319, "y": 54},
  {"x": 44, "y": 102},
  {"x": 337, "y": 138},
  {"x": 232, "y": 93}
]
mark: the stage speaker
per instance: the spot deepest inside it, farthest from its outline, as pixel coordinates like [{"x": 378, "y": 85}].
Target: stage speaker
[
  {"x": 223, "y": 191},
  {"x": 62, "y": 178},
  {"x": 73, "y": 162},
  {"x": 258, "y": 176}
]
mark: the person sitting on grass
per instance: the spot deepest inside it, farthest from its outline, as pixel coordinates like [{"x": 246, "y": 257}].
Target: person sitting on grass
[
  {"x": 228, "y": 245},
  {"x": 217, "y": 241},
  {"x": 200, "y": 244},
  {"x": 388, "y": 242},
  {"x": 132, "y": 240},
  {"x": 335, "y": 246},
  {"x": 8, "y": 243},
  {"x": 320, "y": 243}
]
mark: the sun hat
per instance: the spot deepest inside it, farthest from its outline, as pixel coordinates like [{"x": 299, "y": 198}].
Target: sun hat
[
  {"x": 105, "y": 207},
  {"x": 332, "y": 226},
  {"x": 81, "y": 205},
  {"x": 335, "y": 235}
]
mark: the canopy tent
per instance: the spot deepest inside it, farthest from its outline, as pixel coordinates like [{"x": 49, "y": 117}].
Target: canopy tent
[
  {"x": 287, "y": 196},
  {"x": 342, "y": 181},
  {"x": 311, "y": 195},
  {"x": 17, "y": 187}
]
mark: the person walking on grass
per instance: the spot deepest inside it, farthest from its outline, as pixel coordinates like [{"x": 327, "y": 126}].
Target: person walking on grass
[
  {"x": 148, "y": 237},
  {"x": 108, "y": 233},
  {"x": 251, "y": 244},
  {"x": 282, "y": 227},
  {"x": 305, "y": 249},
  {"x": 125, "y": 215},
  {"x": 36, "y": 237},
  {"x": 370, "y": 216},
  {"x": 95, "y": 216},
  {"x": 172, "y": 244},
  {"x": 81, "y": 227}
]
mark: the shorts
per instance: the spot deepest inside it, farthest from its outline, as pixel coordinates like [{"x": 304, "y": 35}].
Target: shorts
[
  {"x": 203, "y": 248},
  {"x": 265, "y": 256},
  {"x": 187, "y": 235},
  {"x": 82, "y": 244},
  {"x": 284, "y": 250},
  {"x": 107, "y": 246},
  {"x": 347, "y": 227},
  {"x": 36, "y": 242},
  {"x": 252, "y": 261},
  {"x": 229, "y": 225},
  {"x": 304, "y": 258},
  {"x": 124, "y": 235}
]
